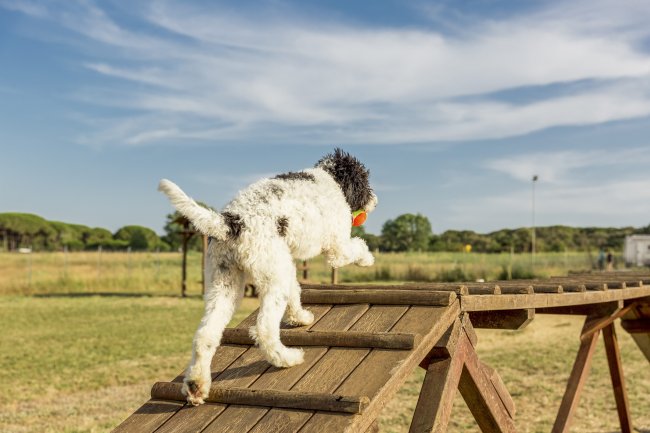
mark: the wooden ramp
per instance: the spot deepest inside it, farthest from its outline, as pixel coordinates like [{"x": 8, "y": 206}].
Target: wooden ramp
[{"x": 367, "y": 340}]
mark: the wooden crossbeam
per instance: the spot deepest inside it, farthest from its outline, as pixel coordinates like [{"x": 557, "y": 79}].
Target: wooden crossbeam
[
  {"x": 636, "y": 326},
  {"x": 378, "y": 340},
  {"x": 268, "y": 398},
  {"x": 480, "y": 386},
  {"x": 378, "y": 297},
  {"x": 504, "y": 319}
]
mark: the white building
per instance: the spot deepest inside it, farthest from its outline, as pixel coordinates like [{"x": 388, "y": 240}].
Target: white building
[{"x": 637, "y": 250}]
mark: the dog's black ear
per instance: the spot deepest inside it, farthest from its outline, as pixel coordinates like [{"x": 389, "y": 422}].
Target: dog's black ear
[{"x": 351, "y": 175}]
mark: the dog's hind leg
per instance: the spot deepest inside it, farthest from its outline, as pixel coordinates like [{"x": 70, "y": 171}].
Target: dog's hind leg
[
  {"x": 222, "y": 297},
  {"x": 274, "y": 275}
]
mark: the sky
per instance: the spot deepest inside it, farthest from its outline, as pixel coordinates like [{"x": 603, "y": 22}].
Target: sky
[{"x": 454, "y": 106}]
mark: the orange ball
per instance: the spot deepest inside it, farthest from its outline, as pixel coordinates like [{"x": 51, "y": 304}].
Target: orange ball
[{"x": 359, "y": 217}]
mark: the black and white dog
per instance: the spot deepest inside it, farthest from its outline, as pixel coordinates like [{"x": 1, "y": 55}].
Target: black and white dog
[{"x": 256, "y": 238}]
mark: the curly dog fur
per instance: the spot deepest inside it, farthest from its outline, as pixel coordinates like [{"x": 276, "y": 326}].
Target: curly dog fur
[{"x": 295, "y": 215}]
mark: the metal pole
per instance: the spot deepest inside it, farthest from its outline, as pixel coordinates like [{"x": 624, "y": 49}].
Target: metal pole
[{"x": 535, "y": 177}]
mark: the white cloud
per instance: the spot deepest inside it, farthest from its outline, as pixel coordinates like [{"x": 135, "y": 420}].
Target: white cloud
[{"x": 289, "y": 78}]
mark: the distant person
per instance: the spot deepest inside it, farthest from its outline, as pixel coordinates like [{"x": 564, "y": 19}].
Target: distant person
[
  {"x": 610, "y": 261},
  {"x": 601, "y": 259}
]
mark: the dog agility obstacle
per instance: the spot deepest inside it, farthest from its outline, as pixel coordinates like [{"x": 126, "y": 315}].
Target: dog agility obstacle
[{"x": 366, "y": 340}]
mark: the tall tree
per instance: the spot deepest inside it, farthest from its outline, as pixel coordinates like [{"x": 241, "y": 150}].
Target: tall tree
[{"x": 407, "y": 232}]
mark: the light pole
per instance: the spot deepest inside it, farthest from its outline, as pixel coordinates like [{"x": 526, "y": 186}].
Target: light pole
[{"x": 532, "y": 250}]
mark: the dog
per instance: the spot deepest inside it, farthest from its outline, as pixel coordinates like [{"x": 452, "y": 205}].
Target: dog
[{"x": 257, "y": 237}]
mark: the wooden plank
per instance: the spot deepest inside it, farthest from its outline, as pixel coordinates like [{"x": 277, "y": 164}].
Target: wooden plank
[
  {"x": 459, "y": 289},
  {"x": 378, "y": 297},
  {"x": 618, "y": 382},
  {"x": 389, "y": 368},
  {"x": 514, "y": 302},
  {"x": 575, "y": 384},
  {"x": 374, "y": 427},
  {"x": 468, "y": 329},
  {"x": 238, "y": 419},
  {"x": 482, "y": 399},
  {"x": 331, "y": 370},
  {"x": 436, "y": 397},
  {"x": 581, "y": 310},
  {"x": 268, "y": 397},
  {"x": 502, "y": 319},
  {"x": 636, "y": 326},
  {"x": 446, "y": 345},
  {"x": 642, "y": 311},
  {"x": 149, "y": 417},
  {"x": 382, "y": 340}
]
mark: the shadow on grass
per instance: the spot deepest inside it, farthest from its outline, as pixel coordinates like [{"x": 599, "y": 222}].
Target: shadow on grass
[{"x": 113, "y": 294}]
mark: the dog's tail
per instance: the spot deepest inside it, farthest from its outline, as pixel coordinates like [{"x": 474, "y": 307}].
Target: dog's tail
[{"x": 205, "y": 220}]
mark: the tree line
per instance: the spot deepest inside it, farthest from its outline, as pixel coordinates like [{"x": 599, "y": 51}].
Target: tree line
[{"x": 407, "y": 232}]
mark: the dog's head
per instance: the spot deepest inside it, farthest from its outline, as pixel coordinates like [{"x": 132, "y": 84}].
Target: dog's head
[{"x": 352, "y": 176}]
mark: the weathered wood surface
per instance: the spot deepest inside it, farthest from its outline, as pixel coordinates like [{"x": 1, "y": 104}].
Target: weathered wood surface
[
  {"x": 641, "y": 312},
  {"x": 433, "y": 409},
  {"x": 636, "y": 326},
  {"x": 378, "y": 296},
  {"x": 381, "y": 340},
  {"x": 377, "y": 373},
  {"x": 500, "y": 389},
  {"x": 514, "y": 302},
  {"x": 389, "y": 369},
  {"x": 618, "y": 381},
  {"x": 267, "y": 397},
  {"x": 576, "y": 382},
  {"x": 502, "y": 319}
]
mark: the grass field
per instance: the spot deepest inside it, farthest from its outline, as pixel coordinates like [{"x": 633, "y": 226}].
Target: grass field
[
  {"x": 73, "y": 361},
  {"x": 159, "y": 273}
]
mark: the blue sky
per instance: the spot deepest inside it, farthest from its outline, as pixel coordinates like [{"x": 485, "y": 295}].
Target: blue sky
[{"x": 453, "y": 105}]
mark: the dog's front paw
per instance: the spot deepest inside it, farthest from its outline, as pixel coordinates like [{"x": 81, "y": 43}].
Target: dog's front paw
[
  {"x": 196, "y": 390},
  {"x": 366, "y": 260},
  {"x": 301, "y": 318},
  {"x": 286, "y": 357}
]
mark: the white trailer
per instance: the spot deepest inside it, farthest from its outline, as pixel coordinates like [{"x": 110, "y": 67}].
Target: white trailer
[{"x": 637, "y": 250}]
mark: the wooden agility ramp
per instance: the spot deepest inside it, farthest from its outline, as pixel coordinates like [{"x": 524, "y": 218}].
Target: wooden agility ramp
[{"x": 367, "y": 340}]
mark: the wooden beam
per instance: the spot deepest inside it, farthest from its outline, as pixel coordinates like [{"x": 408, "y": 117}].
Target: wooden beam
[
  {"x": 446, "y": 346},
  {"x": 482, "y": 399},
  {"x": 500, "y": 388},
  {"x": 636, "y": 326},
  {"x": 268, "y": 397},
  {"x": 618, "y": 382},
  {"x": 596, "y": 323},
  {"x": 503, "y": 319},
  {"x": 381, "y": 297},
  {"x": 378, "y": 340},
  {"x": 581, "y": 310},
  {"x": 517, "y": 302},
  {"x": 576, "y": 383},
  {"x": 436, "y": 398}
]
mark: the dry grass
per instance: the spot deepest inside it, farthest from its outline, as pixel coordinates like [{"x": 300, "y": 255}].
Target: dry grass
[{"x": 534, "y": 363}]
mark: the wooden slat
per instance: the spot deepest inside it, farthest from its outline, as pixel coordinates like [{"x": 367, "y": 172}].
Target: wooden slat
[
  {"x": 389, "y": 368},
  {"x": 382, "y": 340},
  {"x": 513, "y": 302},
  {"x": 616, "y": 374},
  {"x": 238, "y": 419},
  {"x": 331, "y": 371},
  {"x": 482, "y": 289},
  {"x": 517, "y": 290},
  {"x": 149, "y": 417},
  {"x": 268, "y": 397},
  {"x": 502, "y": 319},
  {"x": 445, "y": 346},
  {"x": 378, "y": 297}
]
